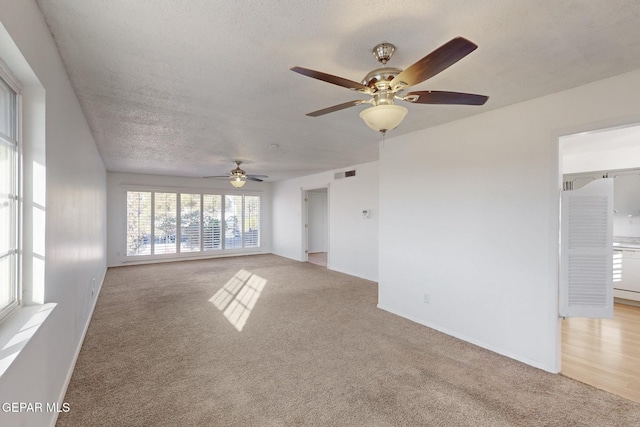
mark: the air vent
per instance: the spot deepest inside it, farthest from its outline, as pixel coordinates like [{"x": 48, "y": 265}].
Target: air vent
[{"x": 347, "y": 174}]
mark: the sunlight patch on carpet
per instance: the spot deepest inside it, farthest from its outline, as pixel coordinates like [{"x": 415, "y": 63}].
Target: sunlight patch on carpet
[{"x": 237, "y": 298}]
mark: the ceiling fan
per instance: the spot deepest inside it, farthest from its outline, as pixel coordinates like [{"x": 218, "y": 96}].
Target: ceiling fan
[
  {"x": 238, "y": 177},
  {"x": 385, "y": 85}
]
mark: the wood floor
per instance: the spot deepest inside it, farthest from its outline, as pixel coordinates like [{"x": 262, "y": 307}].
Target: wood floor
[
  {"x": 605, "y": 353},
  {"x": 318, "y": 258}
]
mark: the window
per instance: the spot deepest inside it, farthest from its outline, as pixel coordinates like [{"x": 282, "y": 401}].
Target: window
[
  {"x": 212, "y": 222},
  {"x": 251, "y": 221},
  {"x": 190, "y": 222},
  {"x": 138, "y": 223},
  {"x": 9, "y": 197},
  {"x": 160, "y": 223},
  {"x": 232, "y": 222},
  {"x": 165, "y": 223}
]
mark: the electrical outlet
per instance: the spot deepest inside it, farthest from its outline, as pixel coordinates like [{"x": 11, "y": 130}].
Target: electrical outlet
[
  {"x": 426, "y": 298},
  {"x": 93, "y": 287}
]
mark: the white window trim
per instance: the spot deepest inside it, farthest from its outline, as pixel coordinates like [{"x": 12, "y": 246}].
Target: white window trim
[
  {"x": 190, "y": 190},
  {"x": 8, "y": 77}
]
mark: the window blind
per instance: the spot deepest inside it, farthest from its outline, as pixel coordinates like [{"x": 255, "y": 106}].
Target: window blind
[
  {"x": 190, "y": 221},
  {"x": 165, "y": 223},
  {"x": 233, "y": 222},
  {"x": 138, "y": 223},
  {"x": 251, "y": 221},
  {"x": 212, "y": 222}
]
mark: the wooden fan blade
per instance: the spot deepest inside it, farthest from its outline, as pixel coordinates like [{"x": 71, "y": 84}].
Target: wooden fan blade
[
  {"x": 329, "y": 78},
  {"x": 435, "y": 62},
  {"x": 253, "y": 178},
  {"x": 336, "y": 108},
  {"x": 441, "y": 97},
  {"x": 218, "y": 176},
  {"x": 258, "y": 176}
]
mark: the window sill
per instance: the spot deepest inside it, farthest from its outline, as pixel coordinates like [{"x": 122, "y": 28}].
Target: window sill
[{"x": 18, "y": 329}]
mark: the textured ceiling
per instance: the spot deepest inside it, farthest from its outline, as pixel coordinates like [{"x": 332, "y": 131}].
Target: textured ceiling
[{"x": 186, "y": 87}]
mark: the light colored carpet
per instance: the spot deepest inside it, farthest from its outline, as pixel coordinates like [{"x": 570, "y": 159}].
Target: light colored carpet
[{"x": 313, "y": 351}]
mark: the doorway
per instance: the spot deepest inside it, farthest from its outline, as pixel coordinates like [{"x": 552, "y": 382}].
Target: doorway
[
  {"x": 317, "y": 229},
  {"x": 604, "y": 352}
]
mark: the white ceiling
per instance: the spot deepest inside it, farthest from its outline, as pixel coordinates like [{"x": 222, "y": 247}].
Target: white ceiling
[{"x": 186, "y": 87}]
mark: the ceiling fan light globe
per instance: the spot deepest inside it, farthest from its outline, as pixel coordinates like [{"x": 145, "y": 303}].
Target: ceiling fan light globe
[
  {"x": 382, "y": 118},
  {"x": 238, "y": 182}
]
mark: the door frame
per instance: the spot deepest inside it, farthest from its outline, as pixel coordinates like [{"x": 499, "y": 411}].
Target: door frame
[
  {"x": 304, "y": 221},
  {"x": 558, "y": 134}
]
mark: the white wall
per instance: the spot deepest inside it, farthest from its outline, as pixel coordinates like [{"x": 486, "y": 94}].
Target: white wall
[
  {"x": 474, "y": 223},
  {"x": 602, "y": 150},
  {"x": 72, "y": 252},
  {"x": 623, "y": 158},
  {"x": 118, "y": 183},
  {"x": 353, "y": 241}
]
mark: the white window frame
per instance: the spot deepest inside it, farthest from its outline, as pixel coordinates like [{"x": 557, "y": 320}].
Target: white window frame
[
  {"x": 202, "y": 192},
  {"x": 9, "y": 79}
]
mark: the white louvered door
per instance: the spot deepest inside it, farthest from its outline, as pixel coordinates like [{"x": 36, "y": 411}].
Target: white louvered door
[{"x": 586, "y": 258}]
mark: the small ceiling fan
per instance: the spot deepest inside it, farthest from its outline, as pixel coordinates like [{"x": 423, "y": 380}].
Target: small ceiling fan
[
  {"x": 385, "y": 85},
  {"x": 238, "y": 177}
]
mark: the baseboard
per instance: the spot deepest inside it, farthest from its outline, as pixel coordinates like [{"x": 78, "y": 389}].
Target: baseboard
[
  {"x": 77, "y": 352},
  {"x": 350, "y": 273},
  {"x": 299, "y": 259},
  {"x": 163, "y": 259},
  {"x": 626, "y": 301},
  {"x": 473, "y": 341}
]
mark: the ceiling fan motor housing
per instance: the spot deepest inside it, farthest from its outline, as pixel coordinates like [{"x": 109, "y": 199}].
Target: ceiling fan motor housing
[
  {"x": 237, "y": 171},
  {"x": 379, "y": 81},
  {"x": 380, "y": 78}
]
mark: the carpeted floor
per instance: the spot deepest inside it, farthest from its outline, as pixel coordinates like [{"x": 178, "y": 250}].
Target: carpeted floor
[{"x": 266, "y": 341}]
